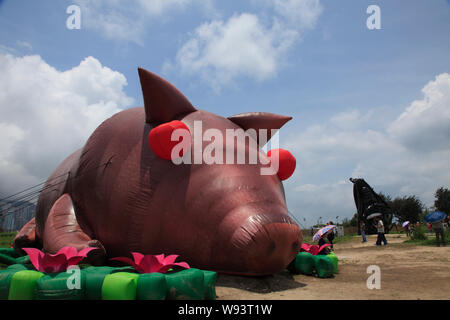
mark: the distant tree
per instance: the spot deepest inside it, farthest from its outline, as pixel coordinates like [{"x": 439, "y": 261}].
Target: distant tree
[
  {"x": 442, "y": 201},
  {"x": 353, "y": 222},
  {"x": 423, "y": 214},
  {"x": 387, "y": 198},
  {"x": 407, "y": 208}
]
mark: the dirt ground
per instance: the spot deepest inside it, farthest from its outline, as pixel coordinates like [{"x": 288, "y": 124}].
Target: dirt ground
[{"x": 407, "y": 272}]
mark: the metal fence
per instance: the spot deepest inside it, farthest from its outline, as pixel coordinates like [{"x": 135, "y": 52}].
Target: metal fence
[{"x": 14, "y": 215}]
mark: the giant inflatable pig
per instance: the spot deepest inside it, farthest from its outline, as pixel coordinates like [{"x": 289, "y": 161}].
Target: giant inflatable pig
[{"x": 118, "y": 195}]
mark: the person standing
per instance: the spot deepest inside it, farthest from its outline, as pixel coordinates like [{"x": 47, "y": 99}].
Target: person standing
[
  {"x": 380, "y": 230},
  {"x": 362, "y": 228},
  {"x": 326, "y": 250},
  {"x": 407, "y": 230},
  {"x": 330, "y": 234},
  {"x": 438, "y": 228}
]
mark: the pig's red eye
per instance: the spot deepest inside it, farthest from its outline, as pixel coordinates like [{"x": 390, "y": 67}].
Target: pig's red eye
[
  {"x": 286, "y": 162},
  {"x": 160, "y": 141}
]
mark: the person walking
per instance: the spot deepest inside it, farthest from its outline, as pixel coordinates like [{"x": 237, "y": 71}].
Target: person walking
[
  {"x": 380, "y": 230},
  {"x": 362, "y": 228},
  {"x": 438, "y": 228}
]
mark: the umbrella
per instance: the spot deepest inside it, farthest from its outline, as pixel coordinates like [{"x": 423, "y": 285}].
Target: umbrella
[
  {"x": 405, "y": 224},
  {"x": 435, "y": 216},
  {"x": 373, "y": 215},
  {"x": 319, "y": 234}
]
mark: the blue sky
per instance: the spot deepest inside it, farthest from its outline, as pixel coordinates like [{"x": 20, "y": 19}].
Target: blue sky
[{"x": 365, "y": 102}]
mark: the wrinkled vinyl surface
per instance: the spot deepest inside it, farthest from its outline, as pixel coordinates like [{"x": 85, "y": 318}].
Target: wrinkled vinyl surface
[{"x": 117, "y": 195}]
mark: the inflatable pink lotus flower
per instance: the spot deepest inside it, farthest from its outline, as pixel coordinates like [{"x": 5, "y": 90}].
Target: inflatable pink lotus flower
[
  {"x": 314, "y": 249},
  {"x": 152, "y": 263},
  {"x": 58, "y": 262}
]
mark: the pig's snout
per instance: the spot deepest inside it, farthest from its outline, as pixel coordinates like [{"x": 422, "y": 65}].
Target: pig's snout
[{"x": 269, "y": 242}]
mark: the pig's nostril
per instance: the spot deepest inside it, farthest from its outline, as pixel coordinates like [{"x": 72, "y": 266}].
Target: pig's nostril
[{"x": 272, "y": 247}]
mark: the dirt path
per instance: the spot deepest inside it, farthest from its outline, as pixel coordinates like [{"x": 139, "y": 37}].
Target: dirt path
[{"x": 407, "y": 272}]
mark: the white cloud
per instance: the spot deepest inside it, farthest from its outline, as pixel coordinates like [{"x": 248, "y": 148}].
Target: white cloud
[
  {"x": 394, "y": 161},
  {"x": 425, "y": 124},
  {"x": 5, "y": 49},
  {"x": 245, "y": 45},
  {"x": 157, "y": 7},
  {"x": 301, "y": 13},
  {"x": 46, "y": 114},
  {"x": 128, "y": 20},
  {"x": 24, "y": 44},
  {"x": 241, "y": 46}
]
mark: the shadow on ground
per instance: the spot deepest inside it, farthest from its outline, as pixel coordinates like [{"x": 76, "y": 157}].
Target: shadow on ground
[{"x": 280, "y": 281}]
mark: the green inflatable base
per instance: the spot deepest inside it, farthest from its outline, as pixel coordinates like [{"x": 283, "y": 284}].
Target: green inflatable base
[
  {"x": 22, "y": 282},
  {"x": 9, "y": 256},
  {"x": 324, "y": 266}
]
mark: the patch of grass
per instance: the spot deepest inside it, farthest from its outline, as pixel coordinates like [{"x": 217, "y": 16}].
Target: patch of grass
[
  {"x": 344, "y": 238},
  {"x": 6, "y": 238},
  {"x": 396, "y": 232},
  {"x": 419, "y": 233},
  {"x": 429, "y": 241}
]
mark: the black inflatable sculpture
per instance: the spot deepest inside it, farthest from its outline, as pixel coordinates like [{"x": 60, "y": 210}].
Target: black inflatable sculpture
[{"x": 369, "y": 202}]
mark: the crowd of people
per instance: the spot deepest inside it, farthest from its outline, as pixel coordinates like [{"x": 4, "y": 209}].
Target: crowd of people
[
  {"x": 380, "y": 231},
  {"x": 437, "y": 227}
]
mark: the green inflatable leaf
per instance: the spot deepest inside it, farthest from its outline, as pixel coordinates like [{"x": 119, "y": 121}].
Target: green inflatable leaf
[
  {"x": 187, "y": 284},
  {"x": 10, "y": 252},
  {"x": 6, "y": 259},
  {"x": 94, "y": 281},
  {"x": 120, "y": 286},
  {"x": 151, "y": 286},
  {"x": 304, "y": 263},
  {"x": 324, "y": 266},
  {"x": 6, "y": 277},
  {"x": 334, "y": 258},
  {"x": 23, "y": 284},
  {"x": 210, "y": 278},
  {"x": 58, "y": 286}
]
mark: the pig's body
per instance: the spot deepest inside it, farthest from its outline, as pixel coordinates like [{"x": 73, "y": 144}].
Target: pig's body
[{"x": 116, "y": 194}]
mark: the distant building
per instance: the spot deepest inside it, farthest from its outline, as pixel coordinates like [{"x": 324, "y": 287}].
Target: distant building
[{"x": 14, "y": 215}]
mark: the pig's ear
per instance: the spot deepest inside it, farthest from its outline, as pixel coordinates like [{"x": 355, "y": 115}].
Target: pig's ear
[
  {"x": 163, "y": 102},
  {"x": 260, "y": 120}
]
